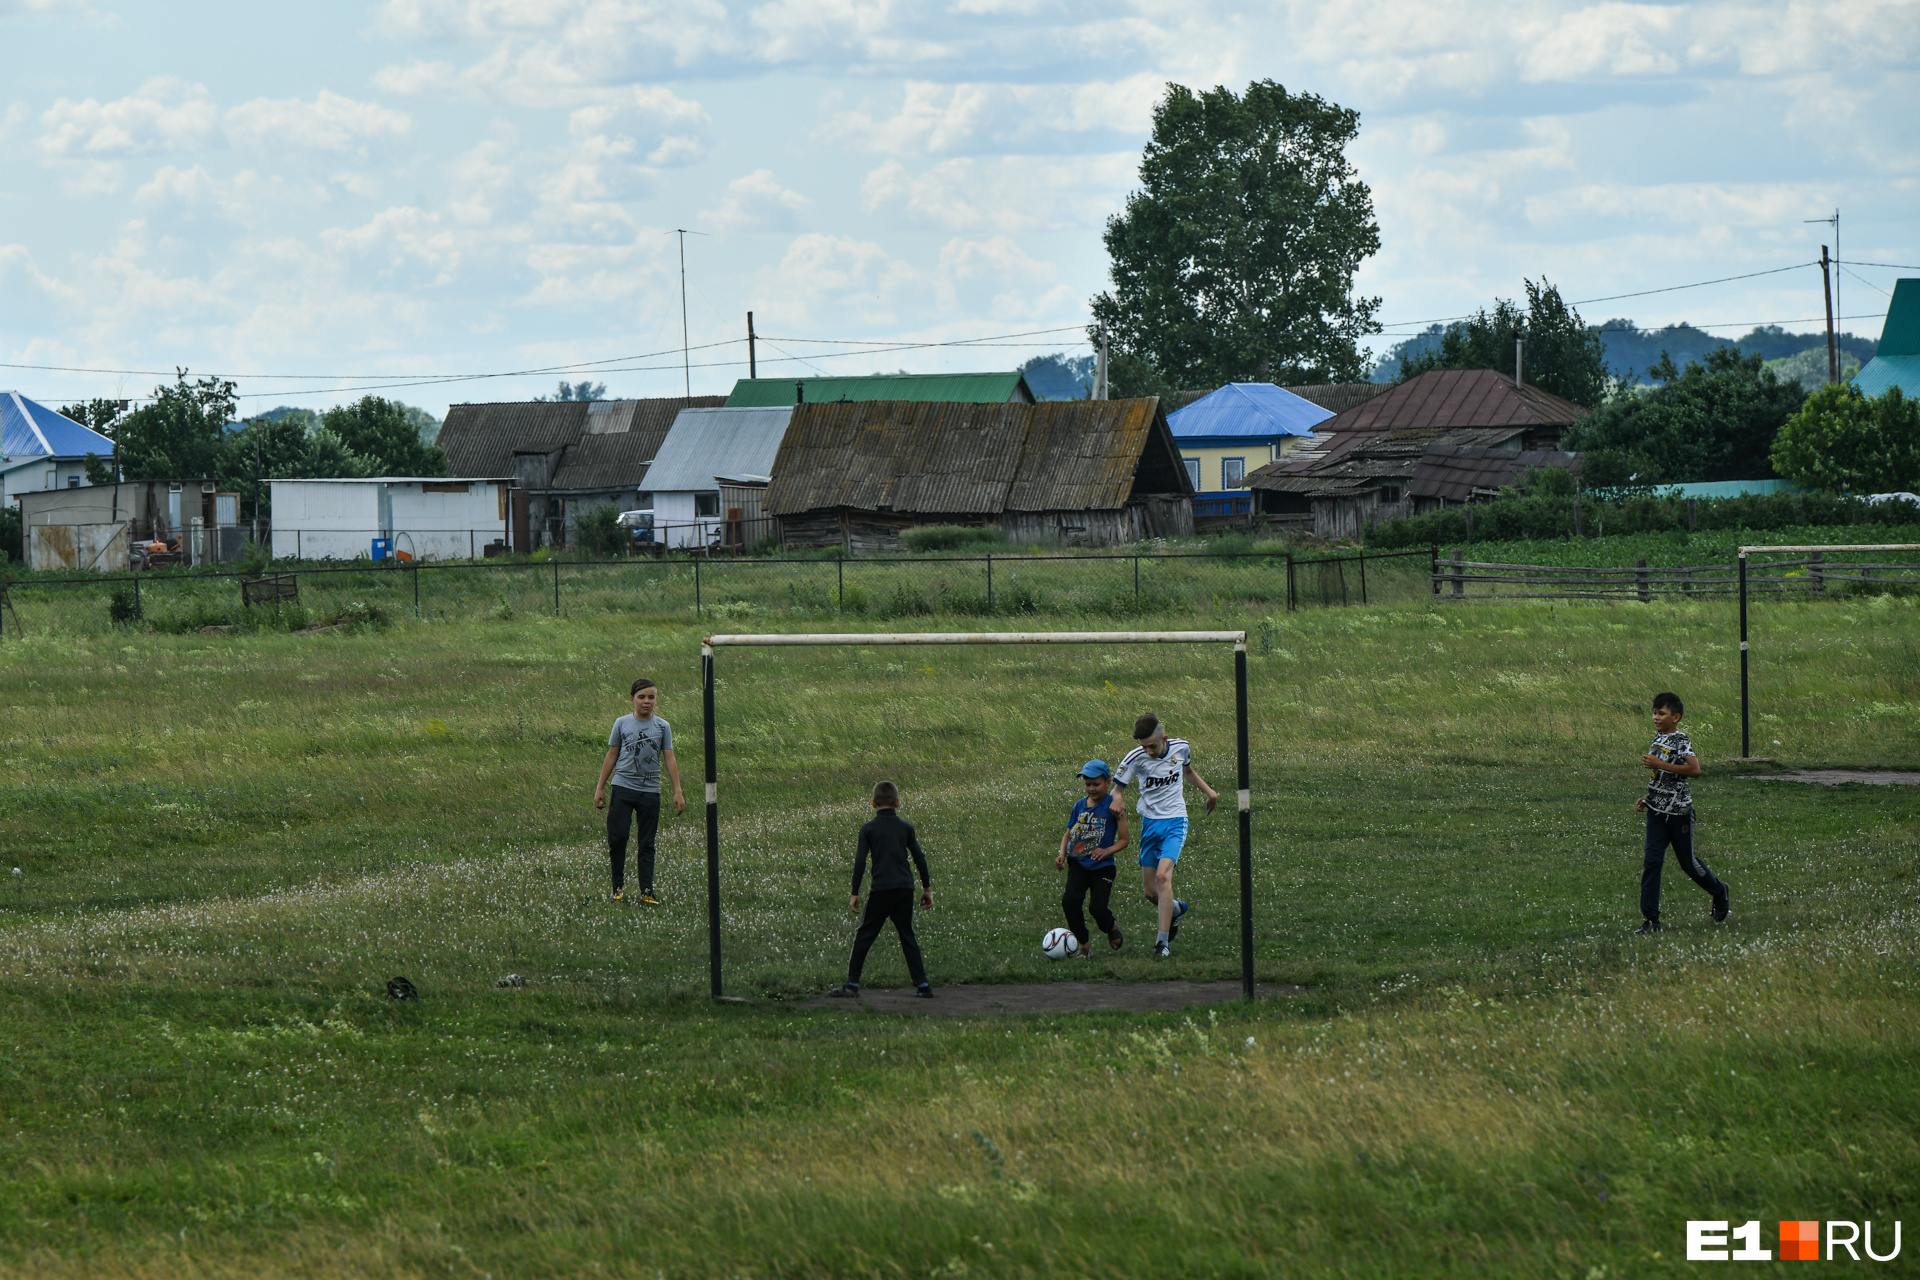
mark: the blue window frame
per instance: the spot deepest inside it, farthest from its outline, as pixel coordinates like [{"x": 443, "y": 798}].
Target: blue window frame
[{"x": 1233, "y": 473}]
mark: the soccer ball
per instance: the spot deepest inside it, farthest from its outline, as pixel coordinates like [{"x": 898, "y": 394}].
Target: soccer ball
[{"x": 1059, "y": 944}]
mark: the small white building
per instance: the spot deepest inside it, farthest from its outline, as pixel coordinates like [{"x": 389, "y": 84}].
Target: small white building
[
  {"x": 703, "y": 446},
  {"x": 425, "y": 517}
]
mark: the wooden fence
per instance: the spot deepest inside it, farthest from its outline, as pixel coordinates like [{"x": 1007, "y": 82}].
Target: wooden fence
[{"x": 1460, "y": 579}]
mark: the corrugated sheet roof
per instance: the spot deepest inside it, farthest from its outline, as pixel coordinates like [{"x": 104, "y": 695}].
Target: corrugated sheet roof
[
  {"x": 1884, "y": 372},
  {"x": 1454, "y": 474},
  {"x": 974, "y": 459},
  {"x": 1347, "y": 457},
  {"x": 1900, "y": 336},
  {"x": 972, "y": 388},
  {"x": 28, "y": 429},
  {"x": 604, "y": 444},
  {"x": 1246, "y": 410},
  {"x": 1338, "y": 397},
  {"x": 1459, "y": 398},
  {"x": 707, "y": 443}
]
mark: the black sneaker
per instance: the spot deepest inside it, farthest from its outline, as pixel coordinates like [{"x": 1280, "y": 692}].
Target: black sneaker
[
  {"x": 1650, "y": 926},
  {"x": 846, "y": 991},
  {"x": 924, "y": 991},
  {"x": 1179, "y": 910},
  {"x": 1722, "y": 907},
  {"x": 1161, "y": 950}
]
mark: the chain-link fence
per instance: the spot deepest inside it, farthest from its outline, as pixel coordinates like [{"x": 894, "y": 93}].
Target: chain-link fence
[{"x": 1109, "y": 586}]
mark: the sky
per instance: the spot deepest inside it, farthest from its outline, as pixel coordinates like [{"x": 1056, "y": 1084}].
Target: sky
[{"x": 470, "y": 200}]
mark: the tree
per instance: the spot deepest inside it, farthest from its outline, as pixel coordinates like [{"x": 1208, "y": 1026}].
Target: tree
[
  {"x": 1235, "y": 259},
  {"x": 1841, "y": 440},
  {"x": 588, "y": 390},
  {"x": 382, "y": 434},
  {"x": 1562, "y": 354},
  {"x": 1709, "y": 421},
  {"x": 177, "y": 435},
  {"x": 289, "y": 444}
]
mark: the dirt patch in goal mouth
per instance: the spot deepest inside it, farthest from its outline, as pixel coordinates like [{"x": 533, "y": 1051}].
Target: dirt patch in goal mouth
[
  {"x": 1837, "y": 777},
  {"x": 1050, "y": 997}
]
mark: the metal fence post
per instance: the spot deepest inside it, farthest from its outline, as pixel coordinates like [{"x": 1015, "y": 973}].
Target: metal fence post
[
  {"x": 136, "y": 597},
  {"x": 1136, "y": 580},
  {"x": 416, "y": 591},
  {"x": 556, "y": 588},
  {"x": 1433, "y": 558},
  {"x": 840, "y": 582},
  {"x": 989, "y": 582},
  {"x": 713, "y": 821},
  {"x": 1363, "y": 577},
  {"x": 1245, "y": 804},
  {"x": 1746, "y": 745},
  {"x": 1289, "y": 582},
  {"x": 696, "y": 587}
]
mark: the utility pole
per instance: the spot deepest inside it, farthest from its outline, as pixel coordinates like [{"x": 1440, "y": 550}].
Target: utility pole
[
  {"x": 753, "y": 364},
  {"x": 1100, "y": 372},
  {"x": 1835, "y": 309},
  {"x": 1519, "y": 359},
  {"x": 1826, "y": 281}
]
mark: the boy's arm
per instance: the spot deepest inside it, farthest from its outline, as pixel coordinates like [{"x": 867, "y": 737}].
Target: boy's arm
[
  {"x": 859, "y": 868},
  {"x": 920, "y": 861},
  {"x": 1120, "y": 824},
  {"x": 606, "y": 771},
  {"x": 1688, "y": 766},
  {"x": 673, "y": 771},
  {"x": 1193, "y": 776}
]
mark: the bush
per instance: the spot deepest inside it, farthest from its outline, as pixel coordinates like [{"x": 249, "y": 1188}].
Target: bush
[
  {"x": 855, "y": 599},
  {"x": 1527, "y": 518},
  {"x": 11, "y": 551},
  {"x": 1843, "y": 440},
  {"x": 123, "y": 606},
  {"x": 953, "y": 537},
  {"x": 598, "y": 530}
]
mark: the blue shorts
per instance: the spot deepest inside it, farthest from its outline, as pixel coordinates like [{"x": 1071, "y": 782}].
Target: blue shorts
[{"x": 1161, "y": 838}]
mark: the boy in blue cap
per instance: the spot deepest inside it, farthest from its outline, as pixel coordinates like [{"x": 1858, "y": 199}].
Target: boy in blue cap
[{"x": 1096, "y": 830}]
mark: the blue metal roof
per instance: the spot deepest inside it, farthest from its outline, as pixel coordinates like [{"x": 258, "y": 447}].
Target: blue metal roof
[
  {"x": 1890, "y": 371},
  {"x": 29, "y": 430},
  {"x": 1246, "y": 411}
]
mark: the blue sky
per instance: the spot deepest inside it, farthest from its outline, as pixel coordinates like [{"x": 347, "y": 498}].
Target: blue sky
[{"x": 318, "y": 199}]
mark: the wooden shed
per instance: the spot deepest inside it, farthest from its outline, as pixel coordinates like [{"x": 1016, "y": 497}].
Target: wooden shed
[{"x": 1081, "y": 472}]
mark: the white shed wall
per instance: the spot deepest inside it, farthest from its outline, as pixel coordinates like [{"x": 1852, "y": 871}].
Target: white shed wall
[
  {"x": 675, "y": 523},
  {"x": 320, "y": 520}
]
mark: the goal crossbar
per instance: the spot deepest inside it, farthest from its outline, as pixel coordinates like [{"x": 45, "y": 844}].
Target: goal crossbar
[
  {"x": 1238, "y": 639},
  {"x": 1746, "y": 705}
]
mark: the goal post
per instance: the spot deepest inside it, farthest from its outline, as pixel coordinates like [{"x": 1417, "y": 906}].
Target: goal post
[
  {"x": 1746, "y": 737},
  {"x": 1238, "y": 639}
]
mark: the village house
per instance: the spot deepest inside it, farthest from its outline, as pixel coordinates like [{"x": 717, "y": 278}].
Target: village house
[{"x": 1237, "y": 429}]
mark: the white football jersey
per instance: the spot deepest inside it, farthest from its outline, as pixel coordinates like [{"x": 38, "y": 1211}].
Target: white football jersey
[{"x": 1161, "y": 793}]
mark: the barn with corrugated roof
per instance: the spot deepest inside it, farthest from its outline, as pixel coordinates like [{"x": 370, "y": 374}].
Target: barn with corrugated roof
[{"x": 1081, "y": 472}]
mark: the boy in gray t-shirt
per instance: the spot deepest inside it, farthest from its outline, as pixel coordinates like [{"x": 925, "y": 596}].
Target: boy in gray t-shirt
[{"x": 636, "y": 749}]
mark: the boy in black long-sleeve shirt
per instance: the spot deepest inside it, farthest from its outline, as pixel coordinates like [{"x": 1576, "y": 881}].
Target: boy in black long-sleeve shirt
[{"x": 890, "y": 842}]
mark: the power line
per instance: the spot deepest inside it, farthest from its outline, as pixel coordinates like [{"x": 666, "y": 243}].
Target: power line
[{"x": 1616, "y": 297}]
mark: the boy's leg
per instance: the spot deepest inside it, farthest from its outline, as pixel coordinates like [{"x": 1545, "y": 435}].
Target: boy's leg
[
  {"x": 1163, "y": 874},
  {"x": 901, "y": 911},
  {"x": 1656, "y": 857},
  {"x": 646, "y": 811},
  {"x": 1101, "y": 882},
  {"x": 619, "y": 822},
  {"x": 871, "y": 921},
  {"x": 1072, "y": 900},
  {"x": 1680, "y": 829}
]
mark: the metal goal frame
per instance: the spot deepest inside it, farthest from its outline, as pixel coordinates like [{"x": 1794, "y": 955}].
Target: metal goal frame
[
  {"x": 1746, "y": 742},
  {"x": 1238, "y": 639}
]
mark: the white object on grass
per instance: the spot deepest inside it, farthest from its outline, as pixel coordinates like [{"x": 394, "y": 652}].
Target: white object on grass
[{"x": 1059, "y": 944}]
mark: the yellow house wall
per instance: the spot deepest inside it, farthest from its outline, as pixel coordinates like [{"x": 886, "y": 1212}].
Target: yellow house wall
[{"x": 1258, "y": 453}]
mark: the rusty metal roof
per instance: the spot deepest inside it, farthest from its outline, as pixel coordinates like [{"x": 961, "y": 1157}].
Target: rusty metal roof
[
  {"x": 947, "y": 458},
  {"x": 603, "y": 444},
  {"x": 1457, "y": 474},
  {"x": 1458, "y": 398},
  {"x": 1338, "y": 397},
  {"x": 1346, "y": 458}
]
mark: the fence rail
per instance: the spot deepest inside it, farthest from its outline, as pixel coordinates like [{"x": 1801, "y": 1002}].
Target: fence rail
[{"x": 1456, "y": 578}]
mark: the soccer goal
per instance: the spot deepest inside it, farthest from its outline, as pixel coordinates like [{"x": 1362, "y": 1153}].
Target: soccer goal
[
  {"x": 1818, "y": 574},
  {"x": 1238, "y": 639}
]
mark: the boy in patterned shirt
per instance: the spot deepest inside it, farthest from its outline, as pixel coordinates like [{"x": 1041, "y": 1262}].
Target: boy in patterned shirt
[
  {"x": 1160, "y": 765},
  {"x": 1668, "y": 805}
]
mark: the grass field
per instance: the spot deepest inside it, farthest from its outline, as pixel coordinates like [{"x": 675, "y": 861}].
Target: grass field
[{"x": 228, "y": 843}]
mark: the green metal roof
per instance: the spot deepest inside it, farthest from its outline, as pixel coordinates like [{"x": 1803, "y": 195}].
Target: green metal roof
[
  {"x": 1901, "y": 336},
  {"x": 1890, "y": 371},
  {"x": 964, "y": 388}
]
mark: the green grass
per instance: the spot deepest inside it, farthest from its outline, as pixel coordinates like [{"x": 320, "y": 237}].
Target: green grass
[
  {"x": 1707, "y": 546},
  {"x": 228, "y": 843}
]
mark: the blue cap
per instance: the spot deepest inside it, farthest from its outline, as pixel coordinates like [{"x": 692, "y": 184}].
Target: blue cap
[{"x": 1095, "y": 769}]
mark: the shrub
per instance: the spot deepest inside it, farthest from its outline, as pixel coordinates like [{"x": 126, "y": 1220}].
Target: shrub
[
  {"x": 952, "y": 537},
  {"x": 855, "y": 599},
  {"x": 123, "y": 606},
  {"x": 598, "y": 530}
]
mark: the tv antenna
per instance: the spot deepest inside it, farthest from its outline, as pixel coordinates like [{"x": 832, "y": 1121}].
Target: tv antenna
[
  {"x": 1834, "y": 222},
  {"x": 686, "y": 368}
]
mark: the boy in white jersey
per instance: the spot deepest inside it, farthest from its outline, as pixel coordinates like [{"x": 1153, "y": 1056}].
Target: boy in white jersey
[{"x": 1161, "y": 764}]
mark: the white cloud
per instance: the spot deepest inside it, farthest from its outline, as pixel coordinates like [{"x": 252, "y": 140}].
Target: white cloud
[
  {"x": 756, "y": 202},
  {"x": 167, "y": 114},
  {"x": 330, "y": 122},
  {"x": 937, "y": 119},
  {"x": 1011, "y": 194},
  {"x": 856, "y": 277}
]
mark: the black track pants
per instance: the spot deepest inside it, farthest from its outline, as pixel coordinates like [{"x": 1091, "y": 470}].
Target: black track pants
[
  {"x": 1080, "y": 882},
  {"x": 1674, "y": 829},
  {"x": 884, "y": 905},
  {"x": 624, "y": 807}
]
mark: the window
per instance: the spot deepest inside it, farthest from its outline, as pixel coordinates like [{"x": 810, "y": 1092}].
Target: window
[
  {"x": 1193, "y": 472},
  {"x": 1233, "y": 473},
  {"x": 706, "y": 504},
  {"x": 73, "y": 482}
]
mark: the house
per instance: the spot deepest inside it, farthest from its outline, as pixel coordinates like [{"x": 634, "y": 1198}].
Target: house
[
  {"x": 1085, "y": 472},
  {"x": 1450, "y": 475},
  {"x": 1362, "y": 463},
  {"x": 1896, "y": 361},
  {"x": 1236, "y": 429},
  {"x": 563, "y": 455},
  {"x": 969, "y": 388},
  {"x": 94, "y": 526},
  {"x": 425, "y": 517},
  {"x": 41, "y": 449},
  {"x": 708, "y": 451}
]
